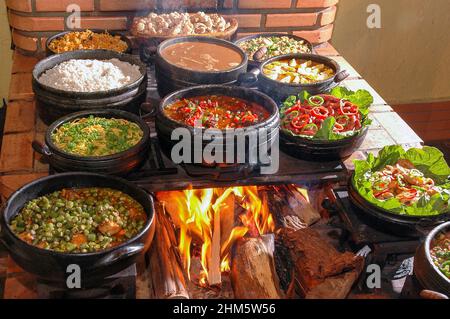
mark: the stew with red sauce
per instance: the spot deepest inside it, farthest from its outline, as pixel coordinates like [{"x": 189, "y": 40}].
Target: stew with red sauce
[{"x": 216, "y": 111}]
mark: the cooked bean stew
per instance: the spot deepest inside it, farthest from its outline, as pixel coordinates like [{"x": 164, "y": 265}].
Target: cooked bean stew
[
  {"x": 79, "y": 220},
  {"x": 216, "y": 111}
]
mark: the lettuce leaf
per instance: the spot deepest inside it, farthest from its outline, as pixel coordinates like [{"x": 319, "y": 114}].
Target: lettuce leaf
[
  {"x": 362, "y": 98},
  {"x": 428, "y": 160}
]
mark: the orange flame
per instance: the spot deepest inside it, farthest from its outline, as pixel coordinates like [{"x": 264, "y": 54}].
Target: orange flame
[{"x": 196, "y": 210}]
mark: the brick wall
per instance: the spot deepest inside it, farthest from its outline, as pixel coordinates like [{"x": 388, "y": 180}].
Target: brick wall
[
  {"x": 32, "y": 21},
  {"x": 431, "y": 121}
]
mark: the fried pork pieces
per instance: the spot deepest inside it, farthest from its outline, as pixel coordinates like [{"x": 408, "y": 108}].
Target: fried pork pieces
[{"x": 175, "y": 23}]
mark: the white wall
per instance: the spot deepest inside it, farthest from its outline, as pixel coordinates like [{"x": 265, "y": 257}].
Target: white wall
[{"x": 408, "y": 59}]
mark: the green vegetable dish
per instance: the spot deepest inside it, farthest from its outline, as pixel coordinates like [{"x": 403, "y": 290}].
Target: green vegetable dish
[
  {"x": 274, "y": 46},
  {"x": 334, "y": 116},
  {"x": 79, "y": 220},
  {"x": 413, "y": 182},
  {"x": 96, "y": 136}
]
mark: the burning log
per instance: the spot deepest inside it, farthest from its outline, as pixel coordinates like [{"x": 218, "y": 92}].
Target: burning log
[
  {"x": 292, "y": 208},
  {"x": 167, "y": 278},
  {"x": 253, "y": 274},
  {"x": 214, "y": 273},
  {"x": 319, "y": 268}
]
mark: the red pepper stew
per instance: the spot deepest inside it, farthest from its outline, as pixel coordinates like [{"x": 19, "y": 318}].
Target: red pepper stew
[
  {"x": 306, "y": 118},
  {"x": 216, "y": 111}
]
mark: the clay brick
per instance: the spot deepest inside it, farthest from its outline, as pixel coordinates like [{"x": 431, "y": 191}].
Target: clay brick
[
  {"x": 36, "y": 23},
  {"x": 22, "y": 63},
  {"x": 326, "y": 49},
  {"x": 177, "y": 4},
  {"x": 244, "y": 34},
  {"x": 266, "y": 4},
  {"x": 40, "y": 126},
  {"x": 107, "y": 23},
  {"x": 129, "y": 5},
  {"x": 12, "y": 268},
  {"x": 20, "y": 87},
  {"x": 316, "y": 3},
  {"x": 21, "y": 287},
  {"x": 10, "y": 183},
  {"x": 317, "y": 36},
  {"x": 39, "y": 163},
  {"x": 291, "y": 20},
  {"x": 247, "y": 20},
  {"x": 19, "y": 5},
  {"x": 328, "y": 16},
  {"x": 24, "y": 42},
  {"x": 17, "y": 154},
  {"x": 20, "y": 116},
  {"x": 228, "y": 4},
  {"x": 61, "y": 5}
]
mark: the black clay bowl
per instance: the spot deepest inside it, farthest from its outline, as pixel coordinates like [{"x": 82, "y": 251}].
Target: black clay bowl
[
  {"x": 252, "y": 63},
  {"x": 116, "y": 164},
  {"x": 280, "y": 91},
  {"x": 384, "y": 220},
  {"x": 53, "y": 104},
  {"x": 320, "y": 150},
  {"x": 425, "y": 270},
  {"x": 95, "y": 267},
  {"x": 165, "y": 126},
  {"x": 61, "y": 34},
  {"x": 168, "y": 73}
]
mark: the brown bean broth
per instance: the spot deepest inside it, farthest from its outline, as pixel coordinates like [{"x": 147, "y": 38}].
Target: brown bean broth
[{"x": 202, "y": 56}]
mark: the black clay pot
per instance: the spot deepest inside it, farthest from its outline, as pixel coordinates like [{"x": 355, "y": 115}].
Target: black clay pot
[
  {"x": 52, "y": 266},
  {"x": 116, "y": 164},
  {"x": 165, "y": 126},
  {"x": 61, "y": 34},
  {"x": 53, "y": 104},
  {"x": 386, "y": 221},
  {"x": 171, "y": 78},
  {"x": 320, "y": 150},
  {"x": 425, "y": 271},
  {"x": 252, "y": 63},
  {"x": 280, "y": 91}
]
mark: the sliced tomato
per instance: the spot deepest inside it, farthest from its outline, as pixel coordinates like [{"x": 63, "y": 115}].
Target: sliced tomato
[
  {"x": 310, "y": 129},
  {"x": 320, "y": 112},
  {"x": 300, "y": 121}
]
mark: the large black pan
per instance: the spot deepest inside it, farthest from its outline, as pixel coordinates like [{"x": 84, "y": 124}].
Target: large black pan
[
  {"x": 116, "y": 164},
  {"x": 165, "y": 126},
  {"x": 96, "y": 266},
  {"x": 280, "y": 91},
  {"x": 53, "y": 104}
]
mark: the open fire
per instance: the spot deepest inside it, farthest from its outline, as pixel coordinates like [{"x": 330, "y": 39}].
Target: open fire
[{"x": 207, "y": 216}]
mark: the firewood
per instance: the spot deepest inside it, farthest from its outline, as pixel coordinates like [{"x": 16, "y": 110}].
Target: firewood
[
  {"x": 253, "y": 274},
  {"x": 167, "y": 279},
  {"x": 227, "y": 210},
  {"x": 316, "y": 261},
  {"x": 336, "y": 287},
  {"x": 292, "y": 208},
  {"x": 214, "y": 273}
]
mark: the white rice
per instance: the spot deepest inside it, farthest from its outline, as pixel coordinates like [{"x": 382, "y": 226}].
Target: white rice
[{"x": 90, "y": 75}]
